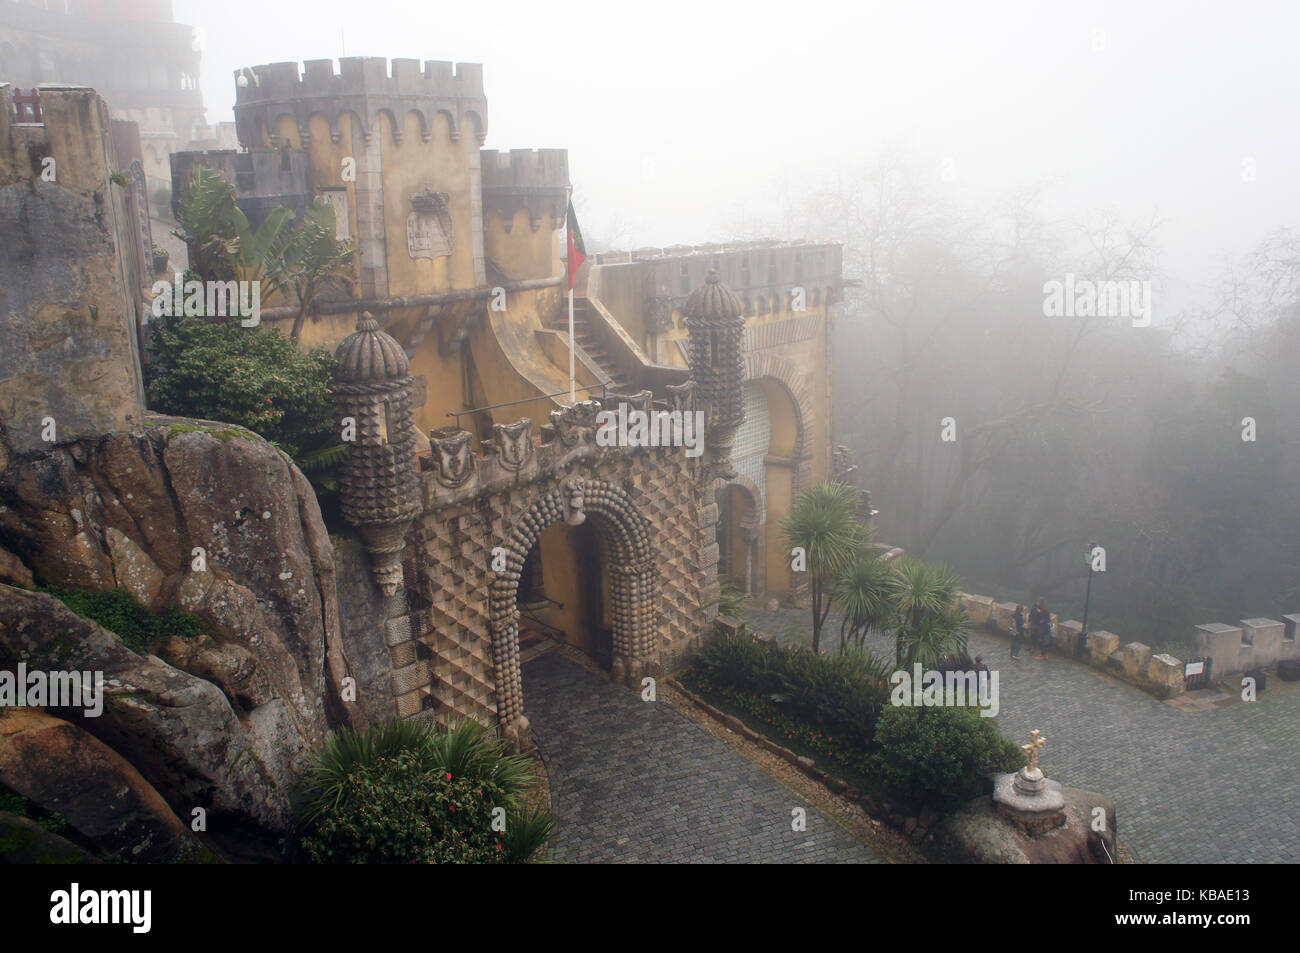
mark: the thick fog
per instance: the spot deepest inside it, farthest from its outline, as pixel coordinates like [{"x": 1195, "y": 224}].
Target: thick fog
[
  {"x": 995, "y": 171},
  {"x": 688, "y": 122},
  {"x": 969, "y": 156}
]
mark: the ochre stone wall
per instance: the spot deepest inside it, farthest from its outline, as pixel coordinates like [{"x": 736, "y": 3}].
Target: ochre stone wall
[{"x": 68, "y": 326}]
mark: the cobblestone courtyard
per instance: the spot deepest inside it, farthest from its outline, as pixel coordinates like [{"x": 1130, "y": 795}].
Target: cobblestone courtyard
[
  {"x": 1190, "y": 787},
  {"x": 634, "y": 781}
]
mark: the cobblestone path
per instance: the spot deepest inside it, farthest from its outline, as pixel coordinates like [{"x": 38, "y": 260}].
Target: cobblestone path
[
  {"x": 635, "y": 781},
  {"x": 1190, "y": 787}
]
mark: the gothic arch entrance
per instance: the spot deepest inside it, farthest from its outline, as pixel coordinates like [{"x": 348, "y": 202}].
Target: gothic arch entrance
[
  {"x": 740, "y": 535},
  {"x": 633, "y": 584}
]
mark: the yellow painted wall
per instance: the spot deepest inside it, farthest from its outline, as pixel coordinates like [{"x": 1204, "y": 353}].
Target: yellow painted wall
[
  {"x": 523, "y": 253},
  {"x": 570, "y": 564},
  {"x": 779, "y": 478},
  {"x": 440, "y": 165}
]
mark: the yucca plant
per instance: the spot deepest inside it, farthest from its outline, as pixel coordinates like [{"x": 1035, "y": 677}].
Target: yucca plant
[
  {"x": 867, "y": 592},
  {"x": 731, "y": 602},
  {"x": 934, "y": 637},
  {"x": 824, "y": 524},
  {"x": 527, "y": 832},
  {"x": 471, "y": 751},
  {"x": 926, "y": 596},
  {"x": 327, "y": 783}
]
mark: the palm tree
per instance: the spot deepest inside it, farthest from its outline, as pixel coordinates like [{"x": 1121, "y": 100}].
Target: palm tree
[
  {"x": 926, "y": 621},
  {"x": 302, "y": 262},
  {"x": 313, "y": 261},
  {"x": 824, "y": 524},
  {"x": 867, "y": 593}
]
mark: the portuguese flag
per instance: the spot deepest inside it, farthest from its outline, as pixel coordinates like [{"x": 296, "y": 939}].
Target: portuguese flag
[{"x": 577, "y": 251}]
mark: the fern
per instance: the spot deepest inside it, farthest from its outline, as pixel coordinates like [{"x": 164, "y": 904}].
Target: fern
[{"x": 326, "y": 458}]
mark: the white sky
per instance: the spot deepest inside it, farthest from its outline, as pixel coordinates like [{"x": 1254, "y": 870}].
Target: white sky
[{"x": 678, "y": 116}]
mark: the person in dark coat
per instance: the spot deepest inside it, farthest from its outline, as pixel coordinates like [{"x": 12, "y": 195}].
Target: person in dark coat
[
  {"x": 1040, "y": 621},
  {"x": 1017, "y": 631}
]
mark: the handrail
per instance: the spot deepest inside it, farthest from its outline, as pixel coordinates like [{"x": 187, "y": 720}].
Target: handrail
[
  {"x": 526, "y": 400},
  {"x": 545, "y": 625}
]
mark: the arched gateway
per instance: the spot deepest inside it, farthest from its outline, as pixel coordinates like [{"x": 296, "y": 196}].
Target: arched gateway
[{"x": 634, "y": 587}]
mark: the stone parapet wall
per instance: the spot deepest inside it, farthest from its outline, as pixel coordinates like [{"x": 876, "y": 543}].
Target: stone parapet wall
[
  {"x": 1134, "y": 662},
  {"x": 1254, "y": 645},
  {"x": 1251, "y": 646}
]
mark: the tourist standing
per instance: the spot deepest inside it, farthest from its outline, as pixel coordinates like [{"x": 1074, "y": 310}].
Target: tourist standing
[
  {"x": 1017, "y": 631},
  {"x": 1040, "y": 621}
]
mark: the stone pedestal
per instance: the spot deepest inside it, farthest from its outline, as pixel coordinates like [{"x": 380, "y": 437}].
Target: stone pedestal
[{"x": 1030, "y": 801}]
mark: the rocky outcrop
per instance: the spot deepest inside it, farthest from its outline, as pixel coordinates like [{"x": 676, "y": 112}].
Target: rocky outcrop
[
  {"x": 180, "y": 732},
  {"x": 979, "y": 835},
  {"x": 23, "y": 841},
  {"x": 102, "y": 797},
  {"x": 213, "y": 519}
]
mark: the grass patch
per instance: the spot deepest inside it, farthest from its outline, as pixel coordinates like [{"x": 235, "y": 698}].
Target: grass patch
[
  {"x": 17, "y": 804},
  {"x": 139, "y": 628},
  {"x": 224, "y": 435}
]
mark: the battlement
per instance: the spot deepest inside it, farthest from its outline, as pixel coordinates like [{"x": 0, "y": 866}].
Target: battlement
[
  {"x": 763, "y": 270},
  {"x": 525, "y": 167},
  {"x": 535, "y": 179},
  {"x": 364, "y": 86}
]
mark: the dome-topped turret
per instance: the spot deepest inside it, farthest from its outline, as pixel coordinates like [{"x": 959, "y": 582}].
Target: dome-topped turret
[
  {"x": 713, "y": 299},
  {"x": 370, "y": 354}
]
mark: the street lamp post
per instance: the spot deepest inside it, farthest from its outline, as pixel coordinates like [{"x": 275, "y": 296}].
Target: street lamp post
[{"x": 1087, "y": 597}]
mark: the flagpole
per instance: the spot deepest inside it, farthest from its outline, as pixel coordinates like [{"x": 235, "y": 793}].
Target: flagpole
[
  {"x": 568, "y": 267},
  {"x": 573, "y": 383}
]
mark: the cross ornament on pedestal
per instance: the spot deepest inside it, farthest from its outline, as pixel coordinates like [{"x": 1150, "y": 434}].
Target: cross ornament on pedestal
[{"x": 1036, "y": 741}]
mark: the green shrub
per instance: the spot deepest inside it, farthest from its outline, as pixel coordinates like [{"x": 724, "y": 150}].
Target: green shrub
[
  {"x": 256, "y": 378},
  {"x": 841, "y": 694},
  {"x": 940, "y": 756},
  {"x": 404, "y": 792},
  {"x": 118, "y": 611},
  {"x": 731, "y": 602},
  {"x": 399, "y": 809}
]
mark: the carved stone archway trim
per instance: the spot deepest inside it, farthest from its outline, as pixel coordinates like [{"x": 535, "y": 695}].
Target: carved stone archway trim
[
  {"x": 751, "y": 528},
  {"x": 783, "y": 372},
  {"x": 634, "y": 588}
]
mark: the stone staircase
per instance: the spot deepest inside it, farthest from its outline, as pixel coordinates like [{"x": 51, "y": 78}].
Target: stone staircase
[
  {"x": 533, "y": 643},
  {"x": 617, "y": 382}
]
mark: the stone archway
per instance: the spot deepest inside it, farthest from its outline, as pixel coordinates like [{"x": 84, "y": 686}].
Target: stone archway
[
  {"x": 783, "y": 373},
  {"x": 634, "y": 588},
  {"x": 740, "y": 534}
]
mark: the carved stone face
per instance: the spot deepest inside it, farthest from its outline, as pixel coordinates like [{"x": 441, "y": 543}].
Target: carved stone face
[
  {"x": 577, "y": 423},
  {"x": 515, "y": 443},
  {"x": 453, "y": 454},
  {"x": 681, "y": 397}
]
